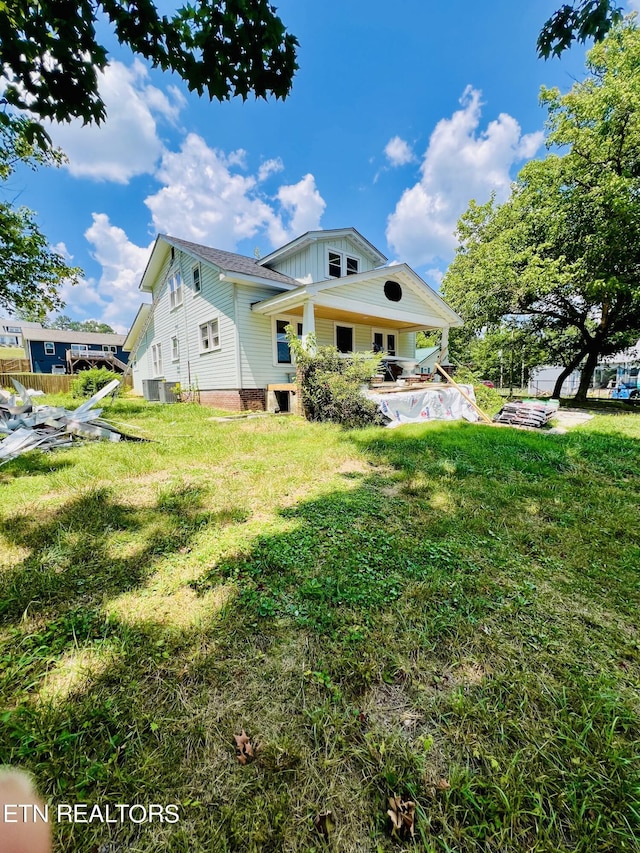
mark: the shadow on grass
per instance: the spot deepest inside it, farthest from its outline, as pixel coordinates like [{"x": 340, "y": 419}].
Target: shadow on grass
[{"x": 439, "y": 585}]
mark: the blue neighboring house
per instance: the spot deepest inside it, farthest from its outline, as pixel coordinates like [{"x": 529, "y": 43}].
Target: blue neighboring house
[{"x": 64, "y": 351}]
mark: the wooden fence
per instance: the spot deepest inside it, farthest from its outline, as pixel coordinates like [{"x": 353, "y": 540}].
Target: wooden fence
[{"x": 48, "y": 382}]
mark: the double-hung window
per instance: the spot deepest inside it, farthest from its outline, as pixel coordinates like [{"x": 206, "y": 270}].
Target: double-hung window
[
  {"x": 49, "y": 348},
  {"x": 196, "y": 276},
  {"x": 156, "y": 357},
  {"x": 210, "y": 336},
  {"x": 175, "y": 290},
  {"x": 175, "y": 348},
  {"x": 283, "y": 350}
]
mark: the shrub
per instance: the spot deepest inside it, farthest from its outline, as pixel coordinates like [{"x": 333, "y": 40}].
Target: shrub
[
  {"x": 487, "y": 399},
  {"x": 331, "y": 386},
  {"x": 90, "y": 381}
]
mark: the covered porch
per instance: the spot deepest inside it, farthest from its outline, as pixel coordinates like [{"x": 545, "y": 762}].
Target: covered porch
[{"x": 361, "y": 313}]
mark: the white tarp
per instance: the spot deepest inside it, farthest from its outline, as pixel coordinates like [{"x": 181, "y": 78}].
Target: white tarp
[{"x": 425, "y": 404}]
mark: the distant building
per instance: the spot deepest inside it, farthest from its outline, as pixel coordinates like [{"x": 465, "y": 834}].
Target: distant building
[
  {"x": 11, "y": 331},
  {"x": 64, "y": 351}
]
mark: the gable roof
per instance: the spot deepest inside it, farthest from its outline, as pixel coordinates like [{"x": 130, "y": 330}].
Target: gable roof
[
  {"x": 67, "y": 336},
  {"x": 312, "y": 236},
  {"x": 229, "y": 262}
]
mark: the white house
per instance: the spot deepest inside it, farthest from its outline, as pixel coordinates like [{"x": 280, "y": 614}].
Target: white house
[{"x": 217, "y": 319}]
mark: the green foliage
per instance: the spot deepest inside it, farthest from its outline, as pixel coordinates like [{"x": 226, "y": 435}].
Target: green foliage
[
  {"x": 90, "y": 381},
  {"x": 425, "y": 340},
  {"x": 562, "y": 254},
  {"x": 331, "y": 384},
  {"x": 31, "y": 273},
  {"x": 583, "y": 20},
  {"x": 487, "y": 399},
  {"x": 64, "y": 322},
  {"x": 50, "y": 52}
]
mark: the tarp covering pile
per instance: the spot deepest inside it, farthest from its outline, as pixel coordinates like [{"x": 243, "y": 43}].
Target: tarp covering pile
[
  {"x": 531, "y": 413},
  {"x": 425, "y": 404},
  {"x": 30, "y": 427}
]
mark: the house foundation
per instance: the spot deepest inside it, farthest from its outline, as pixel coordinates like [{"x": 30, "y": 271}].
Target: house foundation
[{"x": 236, "y": 400}]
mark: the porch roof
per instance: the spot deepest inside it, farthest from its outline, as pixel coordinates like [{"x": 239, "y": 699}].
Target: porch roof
[{"x": 328, "y": 302}]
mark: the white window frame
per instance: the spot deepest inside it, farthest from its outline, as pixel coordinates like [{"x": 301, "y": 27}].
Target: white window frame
[
  {"x": 289, "y": 319},
  {"x": 175, "y": 348},
  {"x": 48, "y": 351},
  {"x": 156, "y": 359},
  {"x": 343, "y": 262},
  {"x": 353, "y": 335},
  {"x": 196, "y": 291},
  {"x": 211, "y": 336},
  {"x": 109, "y": 348},
  {"x": 175, "y": 290}
]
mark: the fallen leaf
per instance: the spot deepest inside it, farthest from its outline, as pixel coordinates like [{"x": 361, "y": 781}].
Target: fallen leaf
[
  {"x": 443, "y": 785},
  {"x": 402, "y": 815},
  {"x": 244, "y": 748},
  {"x": 324, "y": 823}
]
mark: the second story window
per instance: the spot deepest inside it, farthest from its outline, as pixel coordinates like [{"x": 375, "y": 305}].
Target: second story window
[
  {"x": 340, "y": 264},
  {"x": 175, "y": 290},
  {"x": 335, "y": 265},
  {"x": 197, "y": 282}
]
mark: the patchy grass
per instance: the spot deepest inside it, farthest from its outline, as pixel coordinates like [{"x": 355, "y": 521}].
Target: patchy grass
[{"x": 446, "y": 613}]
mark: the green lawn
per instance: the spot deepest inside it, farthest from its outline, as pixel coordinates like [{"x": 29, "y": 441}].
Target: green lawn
[{"x": 447, "y": 613}]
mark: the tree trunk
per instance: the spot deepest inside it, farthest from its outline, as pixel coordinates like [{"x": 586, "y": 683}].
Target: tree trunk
[
  {"x": 557, "y": 391},
  {"x": 587, "y": 375}
]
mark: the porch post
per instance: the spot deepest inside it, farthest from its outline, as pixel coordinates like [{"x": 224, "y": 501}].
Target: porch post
[
  {"x": 308, "y": 322},
  {"x": 444, "y": 346}
]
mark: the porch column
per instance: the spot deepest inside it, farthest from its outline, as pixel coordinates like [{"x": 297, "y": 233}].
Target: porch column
[
  {"x": 308, "y": 322},
  {"x": 444, "y": 346}
]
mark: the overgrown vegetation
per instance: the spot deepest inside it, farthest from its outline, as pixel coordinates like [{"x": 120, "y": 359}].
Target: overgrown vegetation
[
  {"x": 90, "y": 381},
  {"x": 443, "y": 614},
  {"x": 331, "y": 385}
]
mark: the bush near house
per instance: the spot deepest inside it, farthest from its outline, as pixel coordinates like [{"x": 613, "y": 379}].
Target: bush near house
[
  {"x": 331, "y": 385},
  {"x": 91, "y": 381}
]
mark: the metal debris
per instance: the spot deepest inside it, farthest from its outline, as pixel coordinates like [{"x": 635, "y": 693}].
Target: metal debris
[{"x": 30, "y": 427}]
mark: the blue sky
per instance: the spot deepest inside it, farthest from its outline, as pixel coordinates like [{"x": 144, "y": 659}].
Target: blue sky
[{"x": 400, "y": 113}]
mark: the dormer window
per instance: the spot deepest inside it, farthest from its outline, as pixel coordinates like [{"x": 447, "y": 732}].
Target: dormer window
[
  {"x": 335, "y": 265},
  {"x": 340, "y": 264}
]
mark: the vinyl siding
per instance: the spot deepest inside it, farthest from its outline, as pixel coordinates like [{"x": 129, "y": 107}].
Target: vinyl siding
[
  {"x": 256, "y": 334},
  {"x": 210, "y": 370},
  {"x": 314, "y": 259},
  {"x": 372, "y": 293}
]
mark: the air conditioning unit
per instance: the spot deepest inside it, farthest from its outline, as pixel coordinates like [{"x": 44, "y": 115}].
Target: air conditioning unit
[
  {"x": 167, "y": 394},
  {"x": 151, "y": 390}
]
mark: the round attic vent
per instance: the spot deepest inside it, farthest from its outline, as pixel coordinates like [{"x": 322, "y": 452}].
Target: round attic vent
[{"x": 392, "y": 291}]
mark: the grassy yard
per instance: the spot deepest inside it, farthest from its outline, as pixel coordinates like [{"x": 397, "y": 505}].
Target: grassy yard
[{"x": 447, "y": 613}]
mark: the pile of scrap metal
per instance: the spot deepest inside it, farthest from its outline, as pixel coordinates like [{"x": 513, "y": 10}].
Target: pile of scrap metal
[
  {"x": 531, "y": 413},
  {"x": 30, "y": 427}
]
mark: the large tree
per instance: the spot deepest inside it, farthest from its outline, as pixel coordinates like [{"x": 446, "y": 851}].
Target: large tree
[
  {"x": 578, "y": 21},
  {"x": 31, "y": 272},
  {"x": 563, "y": 253},
  {"x": 50, "y": 51}
]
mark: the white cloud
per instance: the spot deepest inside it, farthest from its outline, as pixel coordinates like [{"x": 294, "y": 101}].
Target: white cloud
[
  {"x": 127, "y": 143},
  {"x": 399, "y": 152},
  {"x": 203, "y": 199},
  {"x": 269, "y": 167},
  {"x": 461, "y": 163},
  {"x": 305, "y": 206},
  {"x": 114, "y": 297}
]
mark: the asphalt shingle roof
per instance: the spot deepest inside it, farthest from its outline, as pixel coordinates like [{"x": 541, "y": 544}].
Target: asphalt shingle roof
[{"x": 231, "y": 262}]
